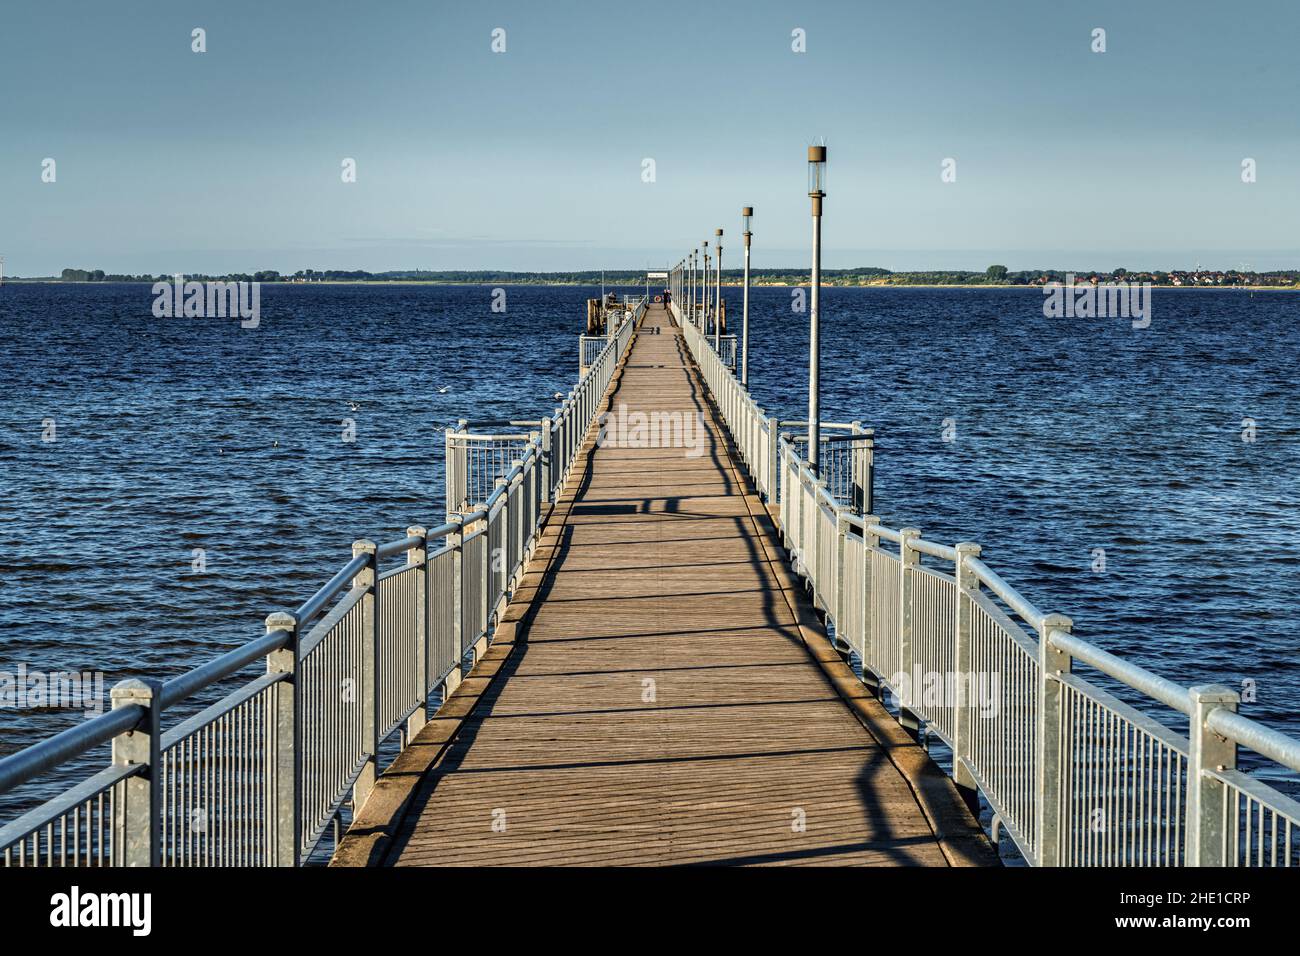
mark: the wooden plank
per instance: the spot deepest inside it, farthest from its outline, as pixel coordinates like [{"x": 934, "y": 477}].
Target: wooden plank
[{"x": 662, "y": 707}]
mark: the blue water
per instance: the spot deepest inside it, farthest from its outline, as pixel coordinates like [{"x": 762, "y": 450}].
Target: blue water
[{"x": 1071, "y": 435}]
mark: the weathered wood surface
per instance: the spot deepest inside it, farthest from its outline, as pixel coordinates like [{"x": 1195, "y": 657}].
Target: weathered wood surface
[{"x": 662, "y": 705}]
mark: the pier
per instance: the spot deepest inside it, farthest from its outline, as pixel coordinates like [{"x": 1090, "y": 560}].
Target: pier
[
  {"x": 667, "y": 694},
  {"x": 648, "y": 629}
]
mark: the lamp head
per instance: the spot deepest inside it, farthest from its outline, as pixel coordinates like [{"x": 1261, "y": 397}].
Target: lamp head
[{"x": 816, "y": 170}]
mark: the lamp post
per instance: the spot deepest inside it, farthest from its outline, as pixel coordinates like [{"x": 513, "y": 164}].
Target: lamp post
[
  {"x": 690, "y": 281},
  {"x": 696, "y": 295},
  {"x": 747, "y": 213},
  {"x": 816, "y": 192},
  {"x": 689, "y": 290},
  {"x": 695, "y": 302},
  {"x": 717, "y": 304},
  {"x": 704, "y": 286}
]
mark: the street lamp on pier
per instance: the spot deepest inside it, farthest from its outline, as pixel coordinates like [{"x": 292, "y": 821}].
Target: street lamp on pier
[
  {"x": 747, "y": 213},
  {"x": 689, "y": 291},
  {"x": 695, "y": 287},
  {"x": 704, "y": 287},
  {"x": 717, "y": 303},
  {"x": 816, "y": 192}
]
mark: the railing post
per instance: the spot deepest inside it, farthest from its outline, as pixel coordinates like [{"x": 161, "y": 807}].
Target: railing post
[
  {"x": 841, "y": 602},
  {"x": 773, "y": 460},
  {"x": 449, "y": 466},
  {"x": 861, "y": 455},
  {"x": 870, "y": 541},
  {"x": 855, "y": 484},
  {"x": 416, "y": 558},
  {"x": 797, "y": 505},
  {"x": 908, "y": 558},
  {"x": 369, "y": 694},
  {"x": 457, "y": 467},
  {"x": 574, "y": 434},
  {"x": 968, "y": 586},
  {"x": 819, "y": 572},
  {"x": 544, "y": 460},
  {"x": 789, "y": 495},
  {"x": 518, "y": 533},
  {"x": 485, "y": 569},
  {"x": 756, "y": 464},
  {"x": 1050, "y": 783},
  {"x": 284, "y": 754},
  {"x": 807, "y": 489},
  {"x": 555, "y": 468},
  {"x": 137, "y": 817},
  {"x": 456, "y": 541},
  {"x": 1205, "y": 842},
  {"x": 869, "y": 494},
  {"x": 530, "y": 495},
  {"x": 560, "y": 447},
  {"x": 504, "y": 538}
]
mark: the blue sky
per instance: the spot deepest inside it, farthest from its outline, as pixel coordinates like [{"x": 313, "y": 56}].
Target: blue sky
[{"x": 168, "y": 160}]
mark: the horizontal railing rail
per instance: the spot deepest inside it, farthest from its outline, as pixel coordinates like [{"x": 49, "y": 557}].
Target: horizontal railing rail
[
  {"x": 1071, "y": 773},
  {"x": 259, "y": 776}
]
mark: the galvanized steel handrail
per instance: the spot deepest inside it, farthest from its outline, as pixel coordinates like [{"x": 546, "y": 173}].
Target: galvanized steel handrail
[
  {"x": 1263, "y": 740},
  {"x": 1007, "y": 594},
  {"x": 1173, "y": 696},
  {"x": 313, "y": 606},
  {"x": 257, "y": 776},
  {"x": 66, "y": 745},
  {"x": 1073, "y": 775}
]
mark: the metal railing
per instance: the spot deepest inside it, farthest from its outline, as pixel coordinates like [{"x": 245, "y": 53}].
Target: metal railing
[
  {"x": 474, "y": 462},
  {"x": 1075, "y": 776},
  {"x": 755, "y": 433},
  {"x": 730, "y": 347},
  {"x": 258, "y": 777},
  {"x": 846, "y": 461},
  {"x": 589, "y": 346}
]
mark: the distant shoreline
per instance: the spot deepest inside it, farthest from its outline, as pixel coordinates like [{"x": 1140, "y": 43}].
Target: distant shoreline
[{"x": 613, "y": 285}]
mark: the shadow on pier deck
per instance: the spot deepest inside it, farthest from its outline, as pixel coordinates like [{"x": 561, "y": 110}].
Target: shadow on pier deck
[{"x": 660, "y": 691}]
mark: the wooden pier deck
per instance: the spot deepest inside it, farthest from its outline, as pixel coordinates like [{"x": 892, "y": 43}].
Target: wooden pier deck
[{"x": 661, "y": 692}]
